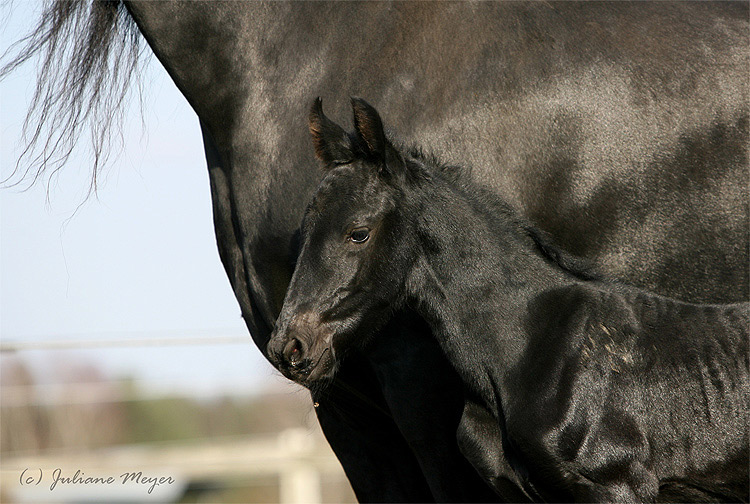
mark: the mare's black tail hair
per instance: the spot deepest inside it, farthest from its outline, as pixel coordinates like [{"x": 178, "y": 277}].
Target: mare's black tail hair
[{"x": 90, "y": 52}]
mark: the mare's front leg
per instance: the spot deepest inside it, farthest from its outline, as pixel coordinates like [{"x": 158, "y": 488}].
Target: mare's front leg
[
  {"x": 358, "y": 425},
  {"x": 426, "y": 398}
]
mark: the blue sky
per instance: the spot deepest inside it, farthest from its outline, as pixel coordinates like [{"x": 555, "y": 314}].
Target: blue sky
[{"x": 138, "y": 260}]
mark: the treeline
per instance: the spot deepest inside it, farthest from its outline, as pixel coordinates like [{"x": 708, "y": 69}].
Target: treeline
[{"x": 85, "y": 410}]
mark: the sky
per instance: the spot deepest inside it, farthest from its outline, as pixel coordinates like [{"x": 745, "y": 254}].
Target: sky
[{"x": 138, "y": 260}]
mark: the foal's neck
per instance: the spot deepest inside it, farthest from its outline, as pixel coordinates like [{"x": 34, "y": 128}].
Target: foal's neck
[{"x": 474, "y": 280}]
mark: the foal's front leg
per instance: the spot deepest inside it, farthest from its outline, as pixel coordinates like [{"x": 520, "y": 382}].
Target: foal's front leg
[
  {"x": 481, "y": 442},
  {"x": 611, "y": 464}
]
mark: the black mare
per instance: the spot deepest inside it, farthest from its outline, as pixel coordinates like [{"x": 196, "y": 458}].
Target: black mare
[
  {"x": 577, "y": 388},
  {"x": 620, "y": 128}
]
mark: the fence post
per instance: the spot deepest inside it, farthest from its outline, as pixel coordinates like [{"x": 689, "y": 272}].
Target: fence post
[{"x": 299, "y": 483}]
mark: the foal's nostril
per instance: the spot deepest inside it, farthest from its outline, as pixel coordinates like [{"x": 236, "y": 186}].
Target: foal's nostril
[{"x": 294, "y": 351}]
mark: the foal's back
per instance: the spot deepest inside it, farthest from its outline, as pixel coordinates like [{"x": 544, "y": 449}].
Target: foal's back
[{"x": 635, "y": 387}]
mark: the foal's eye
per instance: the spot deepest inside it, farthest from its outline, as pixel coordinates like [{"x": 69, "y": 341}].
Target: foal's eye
[{"x": 359, "y": 235}]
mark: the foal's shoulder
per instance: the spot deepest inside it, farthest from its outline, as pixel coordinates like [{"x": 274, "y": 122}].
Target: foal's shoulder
[
  {"x": 603, "y": 312},
  {"x": 579, "y": 304}
]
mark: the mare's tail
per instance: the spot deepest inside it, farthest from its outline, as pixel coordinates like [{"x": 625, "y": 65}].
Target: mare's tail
[{"x": 88, "y": 55}]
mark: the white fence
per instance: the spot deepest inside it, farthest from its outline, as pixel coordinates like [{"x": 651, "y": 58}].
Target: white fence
[{"x": 297, "y": 459}]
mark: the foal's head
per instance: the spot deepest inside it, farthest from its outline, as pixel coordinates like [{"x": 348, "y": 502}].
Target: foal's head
[{"x": 357, "y": 247}]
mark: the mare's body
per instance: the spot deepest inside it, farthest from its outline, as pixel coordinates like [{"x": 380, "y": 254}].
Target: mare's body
[
  {"x": 577, "y": 388},
  {"x": 620, "y": 128}
]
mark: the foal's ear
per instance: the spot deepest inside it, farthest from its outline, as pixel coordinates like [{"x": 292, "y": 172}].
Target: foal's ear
[
  {"x": 369, "y": 127},
  {"x": 332, "y": 144},
  {"x": 369, "y": 130}
]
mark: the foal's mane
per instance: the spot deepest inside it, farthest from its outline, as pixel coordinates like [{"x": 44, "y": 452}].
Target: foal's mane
[{"x": 461, "y": 178}]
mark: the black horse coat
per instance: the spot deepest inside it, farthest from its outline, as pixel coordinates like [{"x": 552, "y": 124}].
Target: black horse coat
[
  {"x": 617, "y": 384},
  {"x": 577, "y": 388},
  {"x": 620, "y": 128}
]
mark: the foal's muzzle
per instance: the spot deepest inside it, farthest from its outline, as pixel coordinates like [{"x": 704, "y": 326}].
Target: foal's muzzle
[{"x": 301, "y": 349}]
